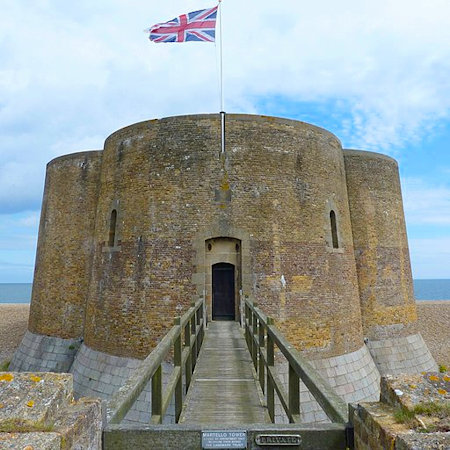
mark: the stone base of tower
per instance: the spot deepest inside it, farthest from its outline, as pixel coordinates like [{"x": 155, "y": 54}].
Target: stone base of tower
[
  {"x": 98, "y": 374},
  {"x": 354, "y": 377},
  {"x": 39, "y": 353},
  {"x": 398, "y": 355}
]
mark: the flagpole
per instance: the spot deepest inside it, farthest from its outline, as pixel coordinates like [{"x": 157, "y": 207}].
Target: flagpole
[
  {"x": 221, "y": 56},
  {"x": 222, "y": 112}
]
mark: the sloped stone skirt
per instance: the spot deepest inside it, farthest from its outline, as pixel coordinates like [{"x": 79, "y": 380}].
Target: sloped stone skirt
[
  {"x": 39, "y": 353},
  {"x": 408, "y": 354},
  {"x": 97, "y": 374},
  {"x": 354, "y": 377}
]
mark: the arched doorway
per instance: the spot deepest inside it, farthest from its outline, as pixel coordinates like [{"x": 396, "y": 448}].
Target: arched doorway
[{"x": 223, "y": 291}]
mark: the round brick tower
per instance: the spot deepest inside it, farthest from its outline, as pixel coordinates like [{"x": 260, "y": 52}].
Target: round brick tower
[
  {"x": 382, "y": 260},
  {"x": 274, "y": 207},
  {"x": 169, "y": 192},
  {"x": 131, "y": 235},
  {"x": 63, "y": 264}
]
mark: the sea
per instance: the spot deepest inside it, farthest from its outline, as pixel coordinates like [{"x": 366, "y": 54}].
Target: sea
[{"x": 423, "y": 290}]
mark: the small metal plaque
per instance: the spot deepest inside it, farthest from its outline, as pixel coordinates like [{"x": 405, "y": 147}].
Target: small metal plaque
[
  {"x": 278, "y": 439},
  {"x": 225, "y": 439}
]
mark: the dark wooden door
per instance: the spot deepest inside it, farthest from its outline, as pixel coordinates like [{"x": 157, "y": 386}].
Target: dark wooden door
[{"x": 223, "y": 291}]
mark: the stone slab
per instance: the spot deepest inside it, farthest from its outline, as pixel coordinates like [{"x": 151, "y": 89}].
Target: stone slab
[
  {"x": 421, "y": 441},
  {"x": 30, "y": 441},
  {"x": 31, "y": 400},
  {"x": 37, "y": 412},
  {"x": 410, "y": 390}
]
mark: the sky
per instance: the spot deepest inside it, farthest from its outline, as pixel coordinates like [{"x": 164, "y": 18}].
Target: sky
[{"x": 373, "y": 72}]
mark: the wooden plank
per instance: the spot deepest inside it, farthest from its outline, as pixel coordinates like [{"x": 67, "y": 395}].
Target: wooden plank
[{"x": 223, "y": 388}]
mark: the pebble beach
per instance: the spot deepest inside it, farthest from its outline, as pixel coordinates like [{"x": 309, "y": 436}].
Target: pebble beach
[{"x": 434, "y": 325}]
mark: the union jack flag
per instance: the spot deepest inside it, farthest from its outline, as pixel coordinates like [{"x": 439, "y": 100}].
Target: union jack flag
[{"x": 193, "y": 26}]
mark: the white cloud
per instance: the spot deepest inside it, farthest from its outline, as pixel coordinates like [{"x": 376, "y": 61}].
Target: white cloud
[
  {"x": 30, "y": 221},
  {"x": 427, "y": 212},
  {"x": 388, "y": 60},
  {"x": 430, "y": 257},
  {"x": 426, "y": 203},
  {"x": 73, "y": 72}
]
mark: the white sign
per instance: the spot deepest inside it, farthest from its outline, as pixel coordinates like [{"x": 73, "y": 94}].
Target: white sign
[{"x": 224, "y": 439}]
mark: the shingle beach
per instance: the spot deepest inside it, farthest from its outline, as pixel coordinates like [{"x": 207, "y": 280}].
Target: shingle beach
[{"x": 434, "y": 324}]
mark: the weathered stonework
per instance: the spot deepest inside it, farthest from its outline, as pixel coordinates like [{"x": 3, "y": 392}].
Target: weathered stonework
[
  {"x": 65, "y": 246},
  {"x": 129, "y": 236},
  {"x": 379, "y": 426},
  {"x": 398, "y": 355},
  {"x": 37, "y": 411}
]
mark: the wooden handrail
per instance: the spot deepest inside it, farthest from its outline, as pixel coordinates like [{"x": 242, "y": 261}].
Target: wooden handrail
[
  {"x": 192, "y": 325},
  {"x": 261, "y": 336}
]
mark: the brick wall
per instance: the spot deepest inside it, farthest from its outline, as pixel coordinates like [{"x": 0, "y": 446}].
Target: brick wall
[
  {"x": 273, "y": 192},
  {"x": 381, "y": 246},
  {"x": 277, "y": 185},
  {"x": 65, "y": 246}
]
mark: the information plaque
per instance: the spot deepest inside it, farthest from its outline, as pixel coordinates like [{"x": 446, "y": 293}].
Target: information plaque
[{"x": 224, "y": 439}]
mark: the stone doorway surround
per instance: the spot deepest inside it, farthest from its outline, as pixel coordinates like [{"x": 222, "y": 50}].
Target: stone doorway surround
[{"x": 230, "y": 246}]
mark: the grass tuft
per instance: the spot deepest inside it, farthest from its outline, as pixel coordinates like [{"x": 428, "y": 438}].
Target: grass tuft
[
  {"x": 21, "y": 426},
  {"x": 4, "y": 366},
  {"x": 403, "y": 415},
  {"x": 439, "y": 410}
]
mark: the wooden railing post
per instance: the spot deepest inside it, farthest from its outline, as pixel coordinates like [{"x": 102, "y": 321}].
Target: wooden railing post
[
  {"x": 261, "y": 369},
  {"x": 157, "y": 396},
  {"x": 257, "y": 323},
  {"x": 294, "y": 395},
  {"x": 270, "y": 365},
  {"x": 246, "y": 324},
  {"x": 185, "y": 351},
  {"x": 194, "y": 343},
  {"x": 202, "y": 322},
  {"x": 254, "y": 337},
  {"x": 205, "y": 314},
  {"x": 188, "y": 365},
  {"x": 177, "y": 361}
]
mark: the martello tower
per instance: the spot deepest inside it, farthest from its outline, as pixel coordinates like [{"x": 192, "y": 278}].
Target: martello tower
[{"x": 131, "y": 234}]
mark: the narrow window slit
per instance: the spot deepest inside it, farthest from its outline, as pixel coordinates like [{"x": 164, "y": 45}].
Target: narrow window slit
[
  {"x": 334, "y": 234},
  {"x": 112, "y": 228}
]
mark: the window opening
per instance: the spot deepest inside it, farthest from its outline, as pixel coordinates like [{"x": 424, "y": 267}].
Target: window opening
[
  {"x": 334, "y": 235},
  {"x": 112, "y": 228}
]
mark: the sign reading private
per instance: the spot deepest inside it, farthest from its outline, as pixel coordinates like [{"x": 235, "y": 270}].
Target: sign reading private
[
  {"x": 278, "y": 439},
  {"x": 224, "y": 439}
]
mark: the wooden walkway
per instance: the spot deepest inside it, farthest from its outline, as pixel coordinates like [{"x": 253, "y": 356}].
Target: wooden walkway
[{"x": 223, "y": 390}]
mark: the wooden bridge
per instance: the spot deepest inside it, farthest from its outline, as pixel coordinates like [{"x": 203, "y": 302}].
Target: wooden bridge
[{"x": 223, "y": 387}]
